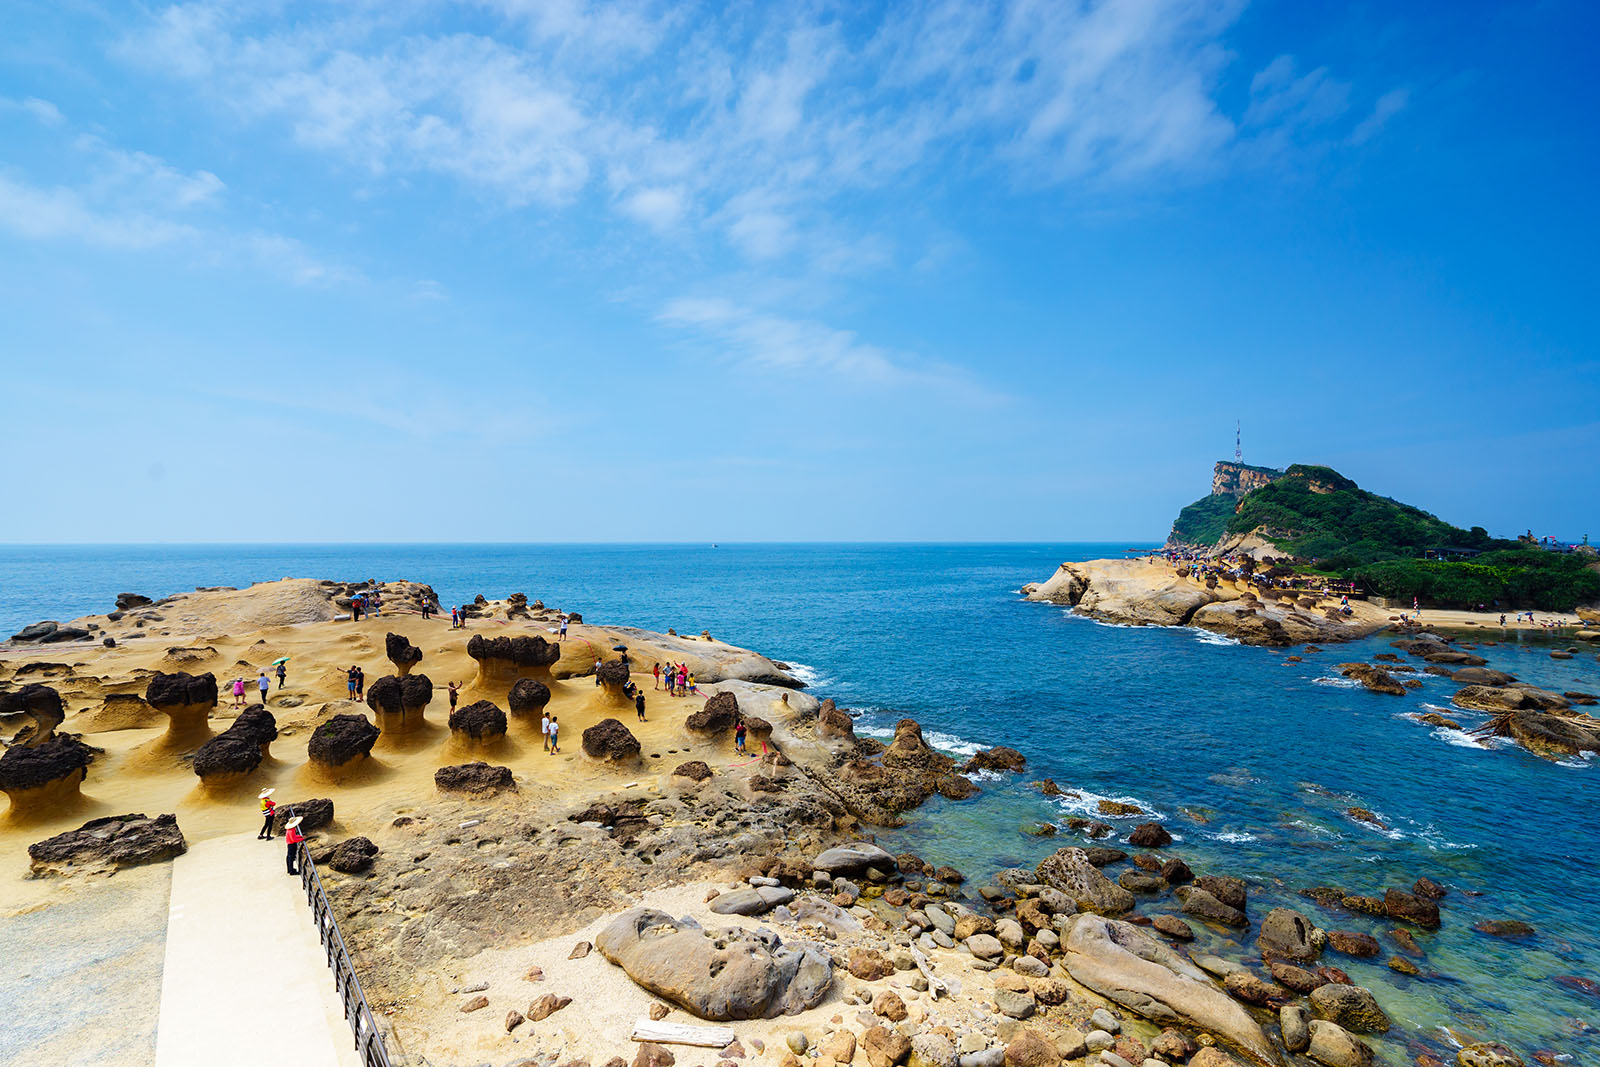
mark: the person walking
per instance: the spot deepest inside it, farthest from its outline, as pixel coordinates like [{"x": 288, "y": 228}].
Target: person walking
[
  {"x": 264, "y": 684},
  {"x": 283, "y": 674},
  {"x": 238, "y": 692},
  {"x": 544, "y": 730},
  {"x": 293, "y": 836},
  {"x": 597, "y": 670},
  {"x": 361, "y": 683},
  {"x": 656, "y": 670},
  {"x": 268, "y": 809},
  {"x": 555, "y": 731},
  {"x": 638, "y": 704},
  {"x": 455, "y": 694}
]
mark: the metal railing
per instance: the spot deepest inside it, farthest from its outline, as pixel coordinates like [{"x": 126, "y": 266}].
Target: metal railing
[{"x": 368, "y": 1038}]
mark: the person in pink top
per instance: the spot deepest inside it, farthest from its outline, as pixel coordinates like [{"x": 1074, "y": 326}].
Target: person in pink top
[{"x": 238, "y": 692}]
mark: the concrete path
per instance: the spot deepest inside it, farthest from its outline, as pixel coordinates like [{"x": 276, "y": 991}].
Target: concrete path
[{"x": 246, "y": 981}]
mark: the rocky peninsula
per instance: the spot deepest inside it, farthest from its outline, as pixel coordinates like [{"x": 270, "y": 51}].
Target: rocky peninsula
[{"x": 512, "y": 906}]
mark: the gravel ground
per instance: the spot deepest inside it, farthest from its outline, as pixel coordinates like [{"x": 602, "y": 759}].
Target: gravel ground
[{"x": 85, "y": 973}]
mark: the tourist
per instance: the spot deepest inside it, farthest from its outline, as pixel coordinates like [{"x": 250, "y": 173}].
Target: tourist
[
  {"x": 738, "y": 736},
  {"x": 555, "y": 731},
  {"x": 268, "y": 809},
  {"x": 544, "y": 731},
  {"x": 361, "y": 683},
  {"x": 597, "y": 670},
  {"x": 426, "y": 608},
  {"x": 350, "y": 681},
  {"x": 454, "y": 695},
  {"x": 638, "y": 704},
  {"x": 562, "y": 636},
  {"x": 292, "y": 835},
  {"x": 283, "y": 674},
  {"x": 238, "y": 692},
  {"x": 656, "y": 671},
  {"x": 455, "y": 617},
  {"x": 1502, "y": 620},
  {"x": 692, "y": 687},
  {"x": 263, "y": 683},
  {"x": 355, "y": 608}
]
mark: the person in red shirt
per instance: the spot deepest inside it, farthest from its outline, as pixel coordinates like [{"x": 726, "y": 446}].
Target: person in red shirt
[
  {"x": 267, "y": 810},
  {"x": 292, "y": 834}
]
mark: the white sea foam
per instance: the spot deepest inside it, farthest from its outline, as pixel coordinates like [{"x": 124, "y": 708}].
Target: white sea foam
[
  {"x": 1337, "y": 683},
  {"x": 986, "y": 776},
  {"x": 950, "y": 743},
  {"x": 1459, "y": 738},
  {"x": 1583, "y": 759},
  {"x": 1232, "y": 837},
  {"x": 1206, "y": 637},
  {"x": 808, "y": 674},
  {"x": 1087, "y": 804}
]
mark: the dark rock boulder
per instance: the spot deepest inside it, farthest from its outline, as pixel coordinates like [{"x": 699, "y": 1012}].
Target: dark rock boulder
[
  {"x": 476, "y": 777},
  {"x": 26, "y": 773},
  {"x": 1408, "y": 907},
  {"x": 502, "y": 660},
  {"x": 128, "y": 601},
  {"x": 114, "y": 841},
  {"x": 719, "y": 715},
  {"x": 227, "y": 756},
  {"x": 482, "y": 721},
  {"x": 402, "y": 653},
  {"x": 1353, "y": 943},
  {"x": 314, "y": 814},
  {"x": 1375, "y": 679},
  {"x": 36, "y": 631},
  {"x": 399, "y": 703},
  {"x": 528, "y": 697},
  {"x": 39, "y": 702},
  {"x": 169, "y": 691},
  {"x": 1149, "y": 835},
  {"x": 694, "y": 770},
  {"x": 999, "y": 758},
  {"x": 834, "y": 723},
  {"x": 608, "y": 739},
  {"x": 351, "y": 856},
  {"x": 614, "y": 673},
  {"x": 1289, "y": 936},
  {"x": 256, "y": 723},
  {"x": 1231, "y": 891},
  {"x": 342, "y": 740},
  {"x": 1479, "y": 676}
]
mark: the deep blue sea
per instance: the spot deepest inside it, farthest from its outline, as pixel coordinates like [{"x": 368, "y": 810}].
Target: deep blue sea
[{"x": 1250, "y": 760}]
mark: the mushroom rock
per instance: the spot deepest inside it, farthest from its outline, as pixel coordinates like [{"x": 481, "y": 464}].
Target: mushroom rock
[
  {"x": 505, "y": 659},
  {"x": 477, "y": 777},
  {"x": 238, "y": 750},
  {"x": 832, "y": 723},
  {"x": 528, "y": 697},
  {"x": 258, "y": 724},
  {"x": 42, "y": 704},
  {"x": 757, "y": 727},
  {"x": 719, "y": 715},
  {"x": 614, "y": 676},
  {"x": 608, "y": 739},
  {"x": 186, "y": 700},
  {"x": 342, "y": 741},
  {"x": 482, "y": 722},
  {"x": 398, "y": 703},
  {"x": 314, "y": 814},
  {"x": 402, "y": 653},
  {"x": 41, "y": 778},
  {"x": 115, "y": 841}
]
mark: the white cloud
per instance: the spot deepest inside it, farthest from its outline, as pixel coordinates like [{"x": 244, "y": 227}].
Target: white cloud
[
  {"x": 41, "y": 111},
  {"x": 659, "y": 208},
  {"x": 1388, "y": 106},
  {"x": 55, "y": 212},
  {"x": 1280, "y": 97}
]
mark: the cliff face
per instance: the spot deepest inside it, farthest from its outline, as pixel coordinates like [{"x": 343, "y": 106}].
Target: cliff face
[{"x": 1237, "y": 479}]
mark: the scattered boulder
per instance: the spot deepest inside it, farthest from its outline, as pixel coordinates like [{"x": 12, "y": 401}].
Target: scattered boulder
[
  {"x": 399, "y": 703},
  {"x": 854, "y": 860},
  {"x": 1149, "y": 835},
  {"x": 1288, "y": 935},
  {"x": 719, "y": 715},
  {"x": 342, "y": 741},
  {"x": 695, "y": 770},
  {"x": 999, "y": 758},
  {"x": 609, "y": 740},
  {"x": 1070, "y": 871},
  {"x": 482, "y": 722},
  {"x": 351, "y": 856},
  {"x": 1294, "y": 1024},
  {"x": 114, "y": 841},
  {"x": 1331, "y": 1045},
  {"x": 1200, "y": 903},
  {"x": 402, "y": 653},
  {"x": 476, "y": 777},
  {"x": 1375, "y": 679},
  {"x": 739, "y": 974},
  {"x": 1353, "y": 943},
  {"x": 528, "y": 696},
  {"x": 1351, "y": 1006},
  {"x": 502, "y": 660},
  {"x": 1488, "y": 1054},
  {"x": 129, "y": 601},
  {"x": 1510, "y": 929},
  {"x": 1408, "y": 907},
  {"x": 314, "y": 814}
]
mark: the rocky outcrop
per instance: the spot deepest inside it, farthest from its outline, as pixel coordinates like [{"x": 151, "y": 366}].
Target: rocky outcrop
[
  {"x": 1550, "y": 735},
  {"x": 1070, "y": 871},
  {"x": 1129, "y": 967},
  {"x": 354, "y": 855},
  {"x": 50, "y": 632},
  {"x": 476, "y": 777},
  {"x": 314, "y": 814},
  {"x": 41, "y": 779},
  {"x": 482, "y": 722},
  {"x": 835, "y": 724},
  {"x": 719, "y": 715},
  {"x": 1496, "y": 699},
  {"x": 186, "y": 700},
  {"x": 237, "y": 751},
  {"x": 734, "y": 974},
  {"x": 399, "y": 704},
  {"x": 1122, "y": 591},
  {"x": 528, "y": 697},
  {"x": 129, "y": 601},
  {"x": 115, "y": 841},
  {"x": 609, "y": 740},
  {"x": 502, "y": 660},
  {"x": 999, "y": 758},
  {"x": 342, "y": 742},
  {"x": 1375, "y": 679},
  {"x": 39, "y": 702},
  {"x": 1274, "y": 624},
  {"x": 402, "y": 653}
]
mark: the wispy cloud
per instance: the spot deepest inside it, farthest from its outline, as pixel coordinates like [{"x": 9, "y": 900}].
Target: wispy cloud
[{"x": 1388, "y": 106}]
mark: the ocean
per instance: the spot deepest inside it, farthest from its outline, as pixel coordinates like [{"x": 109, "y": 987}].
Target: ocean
[{"x": 1251, "y": 760}]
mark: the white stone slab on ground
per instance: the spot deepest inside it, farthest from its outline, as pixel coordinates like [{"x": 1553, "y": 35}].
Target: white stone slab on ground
[{"x": 245, "y": 980}]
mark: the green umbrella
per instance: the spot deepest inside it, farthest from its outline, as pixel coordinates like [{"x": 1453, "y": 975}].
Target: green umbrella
[{"x": 280, "y": 659}]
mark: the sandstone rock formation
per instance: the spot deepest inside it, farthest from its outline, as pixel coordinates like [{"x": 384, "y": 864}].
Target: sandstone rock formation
[
  {"x": 482, "y": 722},
  {"x": 735, "y": 974},
  {"x": 399, "y": 704},
  {"x": 476, "y": 777},
  {"x": 402, "y": 653},
  {"x": 342, "y": 742},
  {"x": 502, "y": 660},
  {"x": 1070, "y": 871},
  {"x": 833, "y": 724},
  {"x": 528, "y": 697},
  {"x": 314, "y": 814},
  {"x": 40, "y": 779},
  {"x": 999, "y": 758},
  {"x": 39, "y": 702},
  {"x": 237, "y": 751},
  {"x": 115, "y": 841},
  {"x": 186, "y": 700},
  {"x": 608, "y": 739},
  {"x": 613, "y": 676},
  {"x": 1376, "y": 679},
  {"x": 719, "y": 715}
]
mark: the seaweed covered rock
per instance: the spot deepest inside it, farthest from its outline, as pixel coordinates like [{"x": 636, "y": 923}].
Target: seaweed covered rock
[
  {"x": 114, "y": 841},
  {"x": 528, "y": 697},
  {"x": 476, "y": 777},
  {"x": 186, "y": 700},
  {"x": 502, "y": 660},
  {"x": 41, "y": 778},
  {"x": 39, "y": 702},
  {"x": 399, "y": 703},
  {"x": 402, "y": 653},
  {"x": 481, "y": 721},
  {"x": 719, "y": 715},
  {"x": 342, "y": 741},
  {"x": 609, "y": 740}
]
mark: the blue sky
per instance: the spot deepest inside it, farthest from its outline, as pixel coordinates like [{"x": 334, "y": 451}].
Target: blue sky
[{"x": 950, "y": 271}]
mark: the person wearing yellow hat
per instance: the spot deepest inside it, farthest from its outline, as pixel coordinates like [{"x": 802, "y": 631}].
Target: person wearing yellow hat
[
  {"x": 268, "y": 808},
  {"x": 292, "y": 834}
]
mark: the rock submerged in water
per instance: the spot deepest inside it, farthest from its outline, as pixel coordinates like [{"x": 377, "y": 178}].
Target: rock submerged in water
[
  {"x": 1374, "y": 679},
  {"x": 736, "y": 974},
  {"x": 114, "y": 841}
]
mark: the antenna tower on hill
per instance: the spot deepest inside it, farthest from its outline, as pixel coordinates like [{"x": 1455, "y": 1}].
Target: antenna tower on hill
[{"x": 1238, "y": 448}]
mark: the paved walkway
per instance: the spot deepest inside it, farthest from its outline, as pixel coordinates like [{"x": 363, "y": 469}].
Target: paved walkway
[{"x": 246, "y": 981}]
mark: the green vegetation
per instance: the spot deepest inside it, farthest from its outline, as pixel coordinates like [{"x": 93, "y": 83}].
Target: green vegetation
[
  {"x": 1205, "y": 521},
  {"x": 1516, "y": 578}
]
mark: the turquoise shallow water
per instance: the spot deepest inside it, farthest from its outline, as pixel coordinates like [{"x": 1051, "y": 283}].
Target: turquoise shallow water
[{"x": 1250, "y": 760}]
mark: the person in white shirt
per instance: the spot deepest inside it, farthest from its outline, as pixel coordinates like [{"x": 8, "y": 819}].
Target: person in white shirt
[{"x": 544, "y": 728}]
